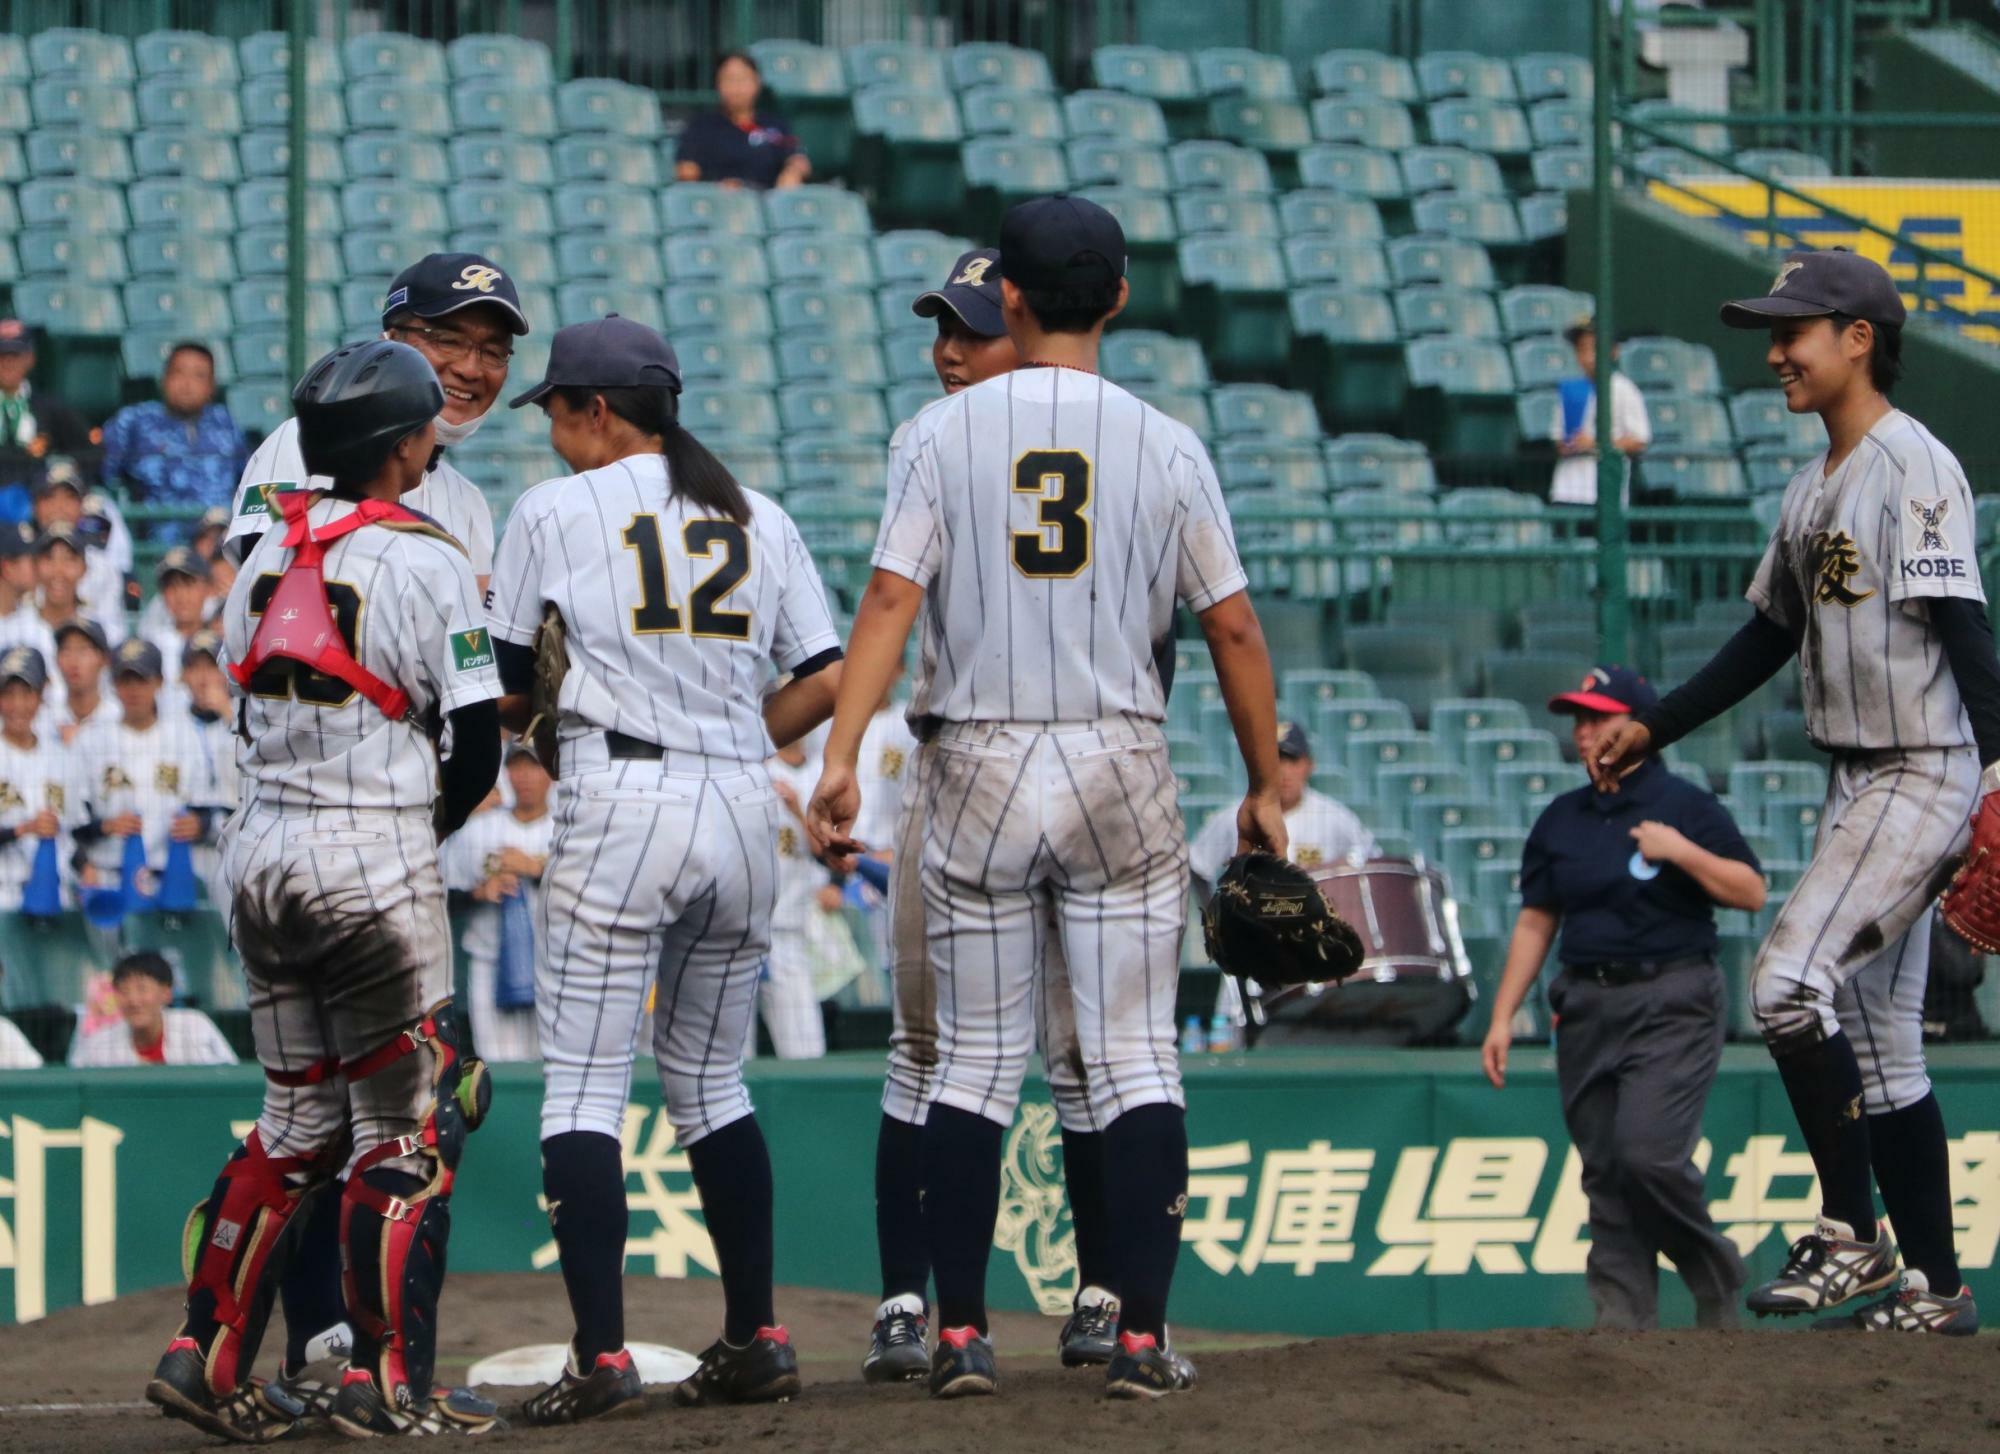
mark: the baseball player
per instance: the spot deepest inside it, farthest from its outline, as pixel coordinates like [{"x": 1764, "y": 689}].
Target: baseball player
[
  {"x": 1871, "y": 579},
  {"x": 498, "y": 856},
  {"x": 971, "y": 346},
  {"x": 1054, "y": 521},
  {"x": 354, "y": 634},
  {"x": 679, "y": 589},
  {"x": 34, "y": 776},
  {"x": 785, "y": 992},
  {"x": 460, "y": 311},
  {"x": 203, "y": 698},
  {"x": 82, "y": 657},
  {"x": 182, "y": 577}
]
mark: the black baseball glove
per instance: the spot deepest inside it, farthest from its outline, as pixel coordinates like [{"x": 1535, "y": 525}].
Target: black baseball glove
[{"x": 1268, "y": 922}]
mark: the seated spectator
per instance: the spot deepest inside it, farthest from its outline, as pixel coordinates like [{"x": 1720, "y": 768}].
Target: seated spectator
[
  {"x": 151, "y": 1031},
  {"x": 82, "y": 657},
  {"x": 497, "y": 859},
  {"x": 59, "y": 568},
  {"x": 34, "y": 773},
  {"x": 739, "y": 145},
  {"x": 1575, "y": 425},
  {"x": 33, "y": 423},
  {"x": 183, "y": 582},
  {"x": 203, "y": 697},
  {"x": 1321, "y": 829},
  {"x": 181, "y": 448},
  {"x": 99, "y": 535}
]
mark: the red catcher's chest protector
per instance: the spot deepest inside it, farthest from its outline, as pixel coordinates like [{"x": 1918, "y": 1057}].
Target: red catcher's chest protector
[{"x": 298, "y": 624}]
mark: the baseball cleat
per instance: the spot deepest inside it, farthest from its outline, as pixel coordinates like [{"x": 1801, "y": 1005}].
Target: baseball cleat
[
  {"x": 361, "y": 1410},
  {"x": 612, "y": 1387},
  {"x": 963, "y": 1364},
  {"x": 254, "y": 1414},
  {"x": 764, "y": 1370},
  {"x": 312, "y": 1386},
  {"x": 1143, "y": 1369},
  {"x": 1090, "y": 1333},
  {"x": 896, "y": 1351},
  {"x": 1911, "y": 1308},
  {"x": 1826, "y": 1269}
]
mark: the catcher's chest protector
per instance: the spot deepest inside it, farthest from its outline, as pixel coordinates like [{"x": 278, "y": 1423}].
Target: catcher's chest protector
[{"x": 298, "y": 624}]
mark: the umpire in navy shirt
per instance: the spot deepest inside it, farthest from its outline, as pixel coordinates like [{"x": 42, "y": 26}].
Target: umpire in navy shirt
[{"x": 1632, "y": 880}]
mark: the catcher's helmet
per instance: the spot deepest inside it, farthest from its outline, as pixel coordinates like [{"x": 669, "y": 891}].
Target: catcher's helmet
[{"x": 359, "y": 402}]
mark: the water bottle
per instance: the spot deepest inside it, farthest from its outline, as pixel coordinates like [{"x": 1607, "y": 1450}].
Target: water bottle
[
  {"x": 42, "y": 894},
  {"x": 1193, "y": 1042},
  {"x": 1222, "y": 1035},
  {"x": 514, "y": 977}
]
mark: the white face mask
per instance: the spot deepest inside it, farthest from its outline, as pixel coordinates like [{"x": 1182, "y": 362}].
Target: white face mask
[{"x": 450, "y": 434}]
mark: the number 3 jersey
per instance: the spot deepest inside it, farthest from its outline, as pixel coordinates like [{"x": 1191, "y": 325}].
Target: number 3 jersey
[
  {"x": 672, "y": 612},
  {"x": 403, "y": 598},
  {"x": 1055, "y": 519}
]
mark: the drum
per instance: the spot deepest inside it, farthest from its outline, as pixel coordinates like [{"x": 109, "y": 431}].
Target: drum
[{"x": 1414, "y": 984}]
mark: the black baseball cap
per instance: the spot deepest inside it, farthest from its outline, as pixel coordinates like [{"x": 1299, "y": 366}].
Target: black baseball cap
[
  {"x": 1820, "y": 284},
  {"x": 23, "y": 664},
  {"x": 60, "y": 472},
  {"x": 445, "y": 282},
  {"x": 88, "y": 629},
  {"x": 972, "y": 292},
  {"x": 1607, "y": 689},
  {"x": 59, "y": 533},
  {"x": 180, "y": 561},
  {"x": 215, "y": 517},
  {"x": 17, "y": 540},
  {"x": 1061, "y": 242},
  {"x": 15, "y": 337},
  {"x": 205, "y": 642},
  {"x": 1292, "y": 741},
  {"x": 607, "y": 353},
  {"x": 137, "y": 657}
]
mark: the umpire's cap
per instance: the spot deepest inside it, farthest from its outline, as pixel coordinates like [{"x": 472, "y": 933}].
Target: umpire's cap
[
  {"x": 358, "y": 403},
  {"x": 607, "y": 353},
  {"x": 972, "y": 292},
  {"x": 444, "y": 282}
]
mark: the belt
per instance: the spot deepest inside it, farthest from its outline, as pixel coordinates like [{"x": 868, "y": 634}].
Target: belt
[
  {"x": 1634, "y": 971},
  {"x": 621, "y": 748}
]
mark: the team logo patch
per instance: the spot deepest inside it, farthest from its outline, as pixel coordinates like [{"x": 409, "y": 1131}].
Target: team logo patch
[
  {"x": 476, "y": 279},
  {"x": 1784, "y": 276},
  {"x": 55, "y": 797},
  {"x": 1308, "y": 857},
  {"x": 788, "y": 842},
  {"x": 1034, "y": 1222},
  {"x": 114, "y": 779},
  {"x": 1832, "y": 561},
  {"x": 10, "y": 797},
  {"x": 167, "y": 777},
  {"x": 472, "y": 649},
  {"x": 227, "y": 1234},
  {"x": 1930, "y": 517},
  {"x": 892, "y": 762},
  {"x": 974, "y": 275}
]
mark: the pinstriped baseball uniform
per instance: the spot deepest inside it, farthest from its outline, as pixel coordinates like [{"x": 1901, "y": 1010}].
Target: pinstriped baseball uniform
[
  {"x": 33, "y": 779},
  {"x": 158, "y": 772},
  {"x": 1854, "y": 558},
  {"x": 674, "y": 620},
  {"x": 188, "y": 1038},
  {"x": 466, "y": 860},
  {"x": 785, "y": 989},
  {"x": 1055, "y": 520},
  {"x": 336, "y": 815}
]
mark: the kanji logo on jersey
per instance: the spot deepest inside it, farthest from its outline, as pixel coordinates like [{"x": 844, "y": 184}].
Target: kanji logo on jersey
[
  {"x": 1832, "y": 561},
  {"x": 471, "y": 650},
  {"x": 1930, "y": 517}
]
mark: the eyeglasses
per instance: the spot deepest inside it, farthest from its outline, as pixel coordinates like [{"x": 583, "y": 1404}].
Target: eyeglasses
[{"x": 456, "y": 347}]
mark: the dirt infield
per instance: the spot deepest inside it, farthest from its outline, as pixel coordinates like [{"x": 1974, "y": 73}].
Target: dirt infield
[{"x": 1447, "y": 1393}]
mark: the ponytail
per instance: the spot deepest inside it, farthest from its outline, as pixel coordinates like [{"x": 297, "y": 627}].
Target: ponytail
[{"x": 692, "y": 472}]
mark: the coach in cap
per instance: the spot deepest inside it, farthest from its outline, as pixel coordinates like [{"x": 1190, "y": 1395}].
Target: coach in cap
[
  {"x": 462, "y": 313},
  {"x": 1632, "y": 880}
]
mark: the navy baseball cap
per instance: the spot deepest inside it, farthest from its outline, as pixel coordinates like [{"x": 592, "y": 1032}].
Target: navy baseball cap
[
  {"x": 88, "y": 629},
  {"x": 1292, "y": 740},
  {"x": 1820, "y": 284},
  {"x": 15, "y": 337},
  {"x": 205, "y": 642},
  {"x": 972, "y": 292},
  {"x": 180, "y": 561},
  {"x": 17, "y": 540},
  {"x": 608, "y": 353},
  {"x": 137, "y": 657},
  {"x": 445, "y": 282},
  {"x": 60, "y": 533},
  {"x": 23, "y": 664},
  {"x": 1061, "y": 242},
  {"x": 60, "y": 472},
  {"x": 1608, "y": 689}
]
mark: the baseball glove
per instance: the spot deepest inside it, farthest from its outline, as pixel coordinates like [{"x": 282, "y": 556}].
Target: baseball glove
[
  {"x": 1268, "y": 922},
  {"x": 551, "y": 666},
  {"x": 1972, "y": 903}
]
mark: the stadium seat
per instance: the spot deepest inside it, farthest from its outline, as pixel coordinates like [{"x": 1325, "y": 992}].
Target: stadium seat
[
  {"x": 1359, "y": 171},
  {"x": 1140, "y": 356},
  {"x": 1412, "y": 664},
  {"x": 263, "y": 302},
  {"x": 1235, "y": 298},
  {"x": 71, "y": 101},
  {"x": 1327, "y": 259},
  {"x": 1264, "y": 411},
  {"x": 1099, "y": 160},
  {"x": 190, "y": 55},
  {"x": 1308, "y": 210},
  {"x": 617, "y": 107},
  {"x": 846, "y": 362},
  {"x": 1164, "y": 79},
  {"x": 1485, "y": 751},
  {"x": 1365, "y": 73},
  {"x": 1537, "y": 308},
  {"x": 581, "y": 302},
  {"x": 1541, "y": 363},
  {"x": 1560, "y": 168},
  {"x": 1450, "y": 169},
  {"x": 83, "y": 309},
  {"x": 1188, "y": 406},
  {"x": 1783, "y": 163},
  {"x": 815, "y": 208},
  {"x": 809, "y": 84},
  {"x": 712, "y": 207},
  {"x": 199, "y": 312},
  {"x": 1524, "y": 788},
  {"x": 191, "y": 206},
  {"x": 1544, "y": 216},
  {"x": 1443, "y": 260},
  {"x": 14, "y": 63},
  {"x": 1577, "y": 638},
  {"x": 1752, "y": 784},
  {"x": 1116, "y": 117},
  {"x": 393, "y": 156},
  {"x": 268, "y": 54},
  {"x": 263, "y": 202},
  {"x": 1260, "y": 464},
  {"x": 509, "y": 58},
  {"x": 587, "y": 157},
  {"x": 1000, "y": 171},
  {"x": 504, "y": 107},
  {"x": 579, "y": 255},
  {"x": 63, "y": 152},
  {"x": 64, "y": 254},
  {"x": 1530, "y": 678},
  {"x": 1275, "y": 128},
  {"x": 1490, "y": 221},
  {"x": 16, "y": 113},
  {"x": 916, "y": 257},
  {"x": 719, "y": 261},
  {"x": 895, "y": 63},
  {"x": 725, "y": 312},
  {"x": 1760, "y": 417},
  {"x": 86, "y": 55},
  {"x": 1546, "y": 75},
  {"x": 1431, "y": 815},
  {"x": 268, "y": 153},
  {"x": 1770, "y": 468},
  {"x": 906, "y": 353},
  {"x": 831, "y": 409},
  {"x": 846, "y": 467},
  {"x": 1473, "y": 630},
  {"x": 1459, "y": 312},
  {"x": 259, "y": 405},
  {"x": 1219, "y": 164},
  {"x": 984, "y": 63},
  {"x": 1669, "y": 163},
  {"x": 1690, "y": 476},
  {"x": 1199, "y": 210},
  {"x": 1454, "y": 720},
  {"x": 60, "y": 201},
  {"x": 1347, "y": 341},
  {"x": 525, "y": 211},
  {"x": 830, "y": 262},
  {"x": 1003, "y": 111},
  {"x": 170, "y": 101},
  {"x": 389, "y": 53},
  {"x": 1488, "y": 517},
  {"x": 1466, "y": 850},
  {"x": 1446, "y": 73},
  {"x": 1302, "y": 691},
  {"x": 1688, "y": 421},
  {"x": 1469, "y": 386},
  {"x": 1233, "y": 71},
  {"x": 373, "y": 254},
  {"x": 837, "y": 312},
  {"x": 605, "y": 209},
  {"x": 1379, "y": 462},
  {"x": 1364, "y": 121},
  {"x": 1562, "y": 124},
  {"x": 267, "y": 102},
  {"x": 1400, "y": 789},
  {"x": 396, "y": 105},
  {"x": 1495, "y": 128}
]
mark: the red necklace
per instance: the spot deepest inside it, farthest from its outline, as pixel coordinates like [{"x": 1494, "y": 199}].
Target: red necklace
[{"x": 1042, "y": 363}]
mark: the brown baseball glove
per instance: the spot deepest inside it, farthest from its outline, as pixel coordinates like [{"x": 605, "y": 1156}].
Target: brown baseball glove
[
  {"x": 551, "y": 666},
  {"x": 1972, "y": 902}
]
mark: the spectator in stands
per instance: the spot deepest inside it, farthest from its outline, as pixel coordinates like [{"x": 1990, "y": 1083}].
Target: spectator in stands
[
  {"x": 1575, "y": 424},
  {"x": 59, "y": 572},
  {"x": 151, "y": 1031},
  {"x": 1633, "y": 879},
  {"x": 181, "y": 448},
  {"x": 33, "y": 423},
  {"x": 1321, "y": 829},
  {"x": 103, "y": 543},
  {"x": 209, "y": 530},
  {"x": 203, "y": 696},
  {"x": 81, "y": 659},
  {"x": 21, "y": 622},
  {"x": 183, "y": 583},
  {"x": 739, "y": 145},
  {"x": 34, "y": 774},
  {"x": 496, "y": 859}
]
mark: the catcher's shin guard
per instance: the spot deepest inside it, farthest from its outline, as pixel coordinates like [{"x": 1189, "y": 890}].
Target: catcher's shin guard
[{"x": 234, "y": 1251}]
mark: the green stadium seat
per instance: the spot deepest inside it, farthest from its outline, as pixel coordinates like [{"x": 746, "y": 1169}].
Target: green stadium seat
[
  {"x": 267, "y": 103},
  {"x": 906, "y": 399},
  {"x": 363, "y": 205},
  {"x": 191, "y": 206},
  {"x": 1000, "y": 171},
  {"x": 143, "y": 354},
  {"x": 1003, "y": 111},
  {"x": 16, "y": 115},
  {"x": 798, "y": 69},
  {"x": 606, "y": 209},
  {"x": 1450, "y": 169},
  {"x": 1495, "y": 128},
  {"x": 1266, "y": 412},
  {"x": 1233, "y": 71},
  {"x": 1524, "y": 788},
  {"x": 1669, "y": 163},
  {"x": 1276, "y": 128},
  {"x": 1364, "y": 73},
  {"x": 815, "y": 208},
  {"x": 1367, "y": 757},
  {"x": 1144, "y": 70},
  {"x": 986, "y": 63},
  {"x": 1136, "y": 120},
  {"x": 1359, "y": 171},
  {"x": 391, "y": 156},
  {"x": 1577, "y": 639},
  {"x": 831, "y": 262},
  {"x": 1401, "y": 790},
  {"x": 259, "y": 405},
  {"x": 712, "y": 207},
  {"x": 263, "y": 302},
  {"x": 64, "y": 254},
  {"x": 60, "y": 201},
  {"x": 595, "y": 157},
  {"x": 48, "y": 959},
  {"x": 167, "y": 101},
  {"x": 360, "y": 303},
  {"x": 1456, "y": 719},
  {"x": 1760, "y": 417},
  {"x": 1472, "y": 630},
  {"x": 1752, "y": 784},
  {"x": 699, "y": 258},
  {"x": 1488, "y": 517},
  {"x": 14, "y": 161},
  {"x": 1562, "y": 124},
  {"x": 1219, "y": 164},
  {"x": 1783, "y": 163},
  {"x": 1329, "y": 259},
  {"x": 1770, "y": 467},
  {"x": 1199, "y": 210},
  {"x": 1433, "y": 814},
  {"x": 1448, "y": 261},
  {"x": 1234, "y": 294},
  {"x": 1347, "y": 341},
  {"x": 82, "y": 309},
  {"x": 917, "y": 257},
  {"x": 1152, "y": 253},
  {"x": 14, "y": 64},
  {"x": 509, "y": 58},
  {"x": 895, "y": 63},
  {"x": 1694, "y": 477},
  {"x": 367, "y": 254},
  {"x": 750, "y": 414},
  {"x": 267, "y": 54},
  {"x": 1490, "y": 221},
  {"x": 1544, "y": 216},
  {"x": 70, "y": 101},
  {"x": 62, "y": 152},
  {"x": 1136, "y": 356},
  {"x": 1560, "y": 169},
  {"x": 1364, "y": 121},
  {"x": 1381, "y": 462},
  {"x": 849, "y": 467},
  {"x": 854, "y": 363},
  {"x": 1542, "y": 363},
  {"x": 1302, "y": 690},
  {"x": 504, "y": 107},
  {"x": 268, "y": 153},
  {"x": 618, "y": 107},
  {"x": 1310, "y": 211},
  {"x": 1531, "y": 678},
  {"x": 87, "y": 55},
  {"x": 1537, "y": 308},
  {"x": 397, "y": 105},
  {"x": 1792, "y": 819},
  {"x": 907, "y": 354},
  {"x": 1101, "y": 161},
  {"x": 1257, "y": 464},
  {"x": 1688, "y": 421},
  {"x": 1412, "y": 664},
  {"x": 1446, "y": 73},
  {"x": 727, "y": 363},
  {"x": 582, "y": 302},
  {"x": 1457, "y": 312},
  {"x": 1467, "y": 850},
  {"x": 1546, "y": 75},
  {"x": 1185, "y": 405},
  {"x": 1783, "y": 734},
  {"x": 196, "y": 310},
  {"x": 1487, "y": 750},
  {"x": 1538, "y": 405},
  {"x": 389, "y": 53},
  {"x": 525, "y": 211},
  {"x": 838, "y": 312}
]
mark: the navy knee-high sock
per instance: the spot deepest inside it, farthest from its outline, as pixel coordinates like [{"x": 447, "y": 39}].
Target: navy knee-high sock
[
  {"x": 1083, "y": 1172},
  {"x": 1145, "y": 1180},
  {"x": 1913, "y": 1170},
  {"x": 961, "y": 1177},
  {"x": 899, "y": 1211},
  {"x": 1824, "y": 1082},
  {"x": 583, "y": 1177},
  {"x": 310, "y": 1291},
  {"x": 732, "y": 1171}
]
